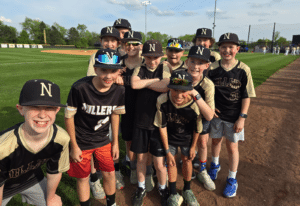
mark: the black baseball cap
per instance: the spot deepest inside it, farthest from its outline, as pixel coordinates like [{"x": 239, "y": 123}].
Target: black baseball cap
[
  {"x": 40, "y": 92},
  {"x": 152, "y": 48},
  {"x": 175, "y": 43},
  {"x": 181, "y": 80},
  {"x": 203, "y": 33},
  {"x": 108, "y": 59},
  {"x": 132, "y": 36},
  {"x": 229, "y": 37},
  {"x": 199, "y": 52},
  {"x": 110, "y": 31},
  {"x": 122, "y": 23}
]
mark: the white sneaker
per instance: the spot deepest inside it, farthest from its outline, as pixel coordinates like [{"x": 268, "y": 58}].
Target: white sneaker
[
  {"x": 119, "y": 180},
  {"x": 97, "y": 190},
  {"x": 204, "y": 178}
]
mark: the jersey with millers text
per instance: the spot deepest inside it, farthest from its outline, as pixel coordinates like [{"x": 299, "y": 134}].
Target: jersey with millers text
[
  {"x": 91, "y": 110},
  {"x": 20, "y": 166},
  {"x": 181, "y": 121},
  {"x": 231, "y": 86},
  {"x": 146, "y": 98}
]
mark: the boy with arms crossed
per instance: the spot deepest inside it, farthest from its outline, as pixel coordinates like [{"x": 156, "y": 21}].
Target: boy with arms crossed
[
  {"x": 179, "y": 121},
  {"x": 26, "y": 146},
  {"x": 93, "y": 103},
  {"x": 151, "y": 80},
  {"x": 233, "y": 89},
  {"x": 197, "y": 62}
]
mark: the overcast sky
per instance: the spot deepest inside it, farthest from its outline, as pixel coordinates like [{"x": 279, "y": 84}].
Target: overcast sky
[{"x": 172, "y": 17}]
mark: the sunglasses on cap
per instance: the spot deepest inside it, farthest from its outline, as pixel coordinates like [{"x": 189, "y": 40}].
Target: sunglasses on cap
[
  {"x": 105, "y": 59},
  {"x": 182, "y": 82},
  {"x": 175, "y": 45}
]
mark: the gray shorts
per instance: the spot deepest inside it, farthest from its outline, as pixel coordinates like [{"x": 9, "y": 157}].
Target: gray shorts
[
  {"x": 184, "y": 150},
  {"x": 220, "y": 128},
  {"x": 35, "y": 195}
]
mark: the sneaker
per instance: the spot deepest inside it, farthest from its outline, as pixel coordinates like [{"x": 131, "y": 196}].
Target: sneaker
[
  {"x": 149, "y": 183},
  {"x": 204, "y": 178},
  {"x": 164, "y": 194},
  {"x": 175, "y": 200},
  {"x": 193, "y": 175},
  {"x": 196, "y": 163},
  {"x": 133, "y": 177},
  {"x": 138, "y": 197},
  {"x": 119, "y": 181},
  {"x": 97, "y": 190},
  {"x": 230, "y": 188},
  {"x": 214, "y": 170},
  {"x": 190, "y": 198}
]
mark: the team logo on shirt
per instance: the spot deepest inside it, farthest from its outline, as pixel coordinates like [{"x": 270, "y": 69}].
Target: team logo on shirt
[
  {"x": 44, "y": 88},
  {"x": 97, "y": 109},
  {"x": 171, "y": 117}
]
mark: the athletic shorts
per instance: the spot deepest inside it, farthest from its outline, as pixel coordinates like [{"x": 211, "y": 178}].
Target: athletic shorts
[
  {"x": 206, "y": 127},
  {"x": 184, "y": 150},
  {"x": 35, "y": 195},
  {"x": 220, "y": 128},
  {"x": 141, "y": 139},
  {"x": 102, "y": 158},
  {"x": 127, "y": 130}
]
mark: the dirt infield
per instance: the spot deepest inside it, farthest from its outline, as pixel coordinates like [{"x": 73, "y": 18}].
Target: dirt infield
[{"x": 269, "y": 170}]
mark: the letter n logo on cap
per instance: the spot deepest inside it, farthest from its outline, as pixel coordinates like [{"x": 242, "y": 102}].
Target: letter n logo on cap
[
  {"x": 200, "y": 50},
  {"x": 203, "y": 32},
  {"x": 152, "y": 47},
  {"x": 109, "y": 29},
  {"x": 119, "y": 21},
  {"x": 110, "y": 55},
  {"x": 130, "y": 33},
  {"x": 44, "y": 88},
  {"x": 227, "y": 36},
  {"x": 181, "y": 77}
]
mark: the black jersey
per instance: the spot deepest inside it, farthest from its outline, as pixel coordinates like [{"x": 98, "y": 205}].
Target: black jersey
[
  {"x": 181, "y": 121},
  {"x": 206, "y": 89},
  {"x": 181, "y": 65},
  {"x": 231, "y": 86},
  {"x": 146, "y": 98},
  {"x": 92, "y": 110},
  {"x": 20, "y": 166}
]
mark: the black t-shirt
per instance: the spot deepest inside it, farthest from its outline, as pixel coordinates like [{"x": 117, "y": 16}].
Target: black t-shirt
[
  {"x": 20, "y": 166},
  {"x": 231, "y": 86},
  {"x": 92, "y": 110},
  {"x": 181, "y": 121},
  {"x": 146, "y": 98}
]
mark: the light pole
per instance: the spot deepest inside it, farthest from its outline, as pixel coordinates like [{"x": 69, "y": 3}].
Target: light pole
[
  {"x": 214, "y": 25},
  {"x": 145, "y": 3}
]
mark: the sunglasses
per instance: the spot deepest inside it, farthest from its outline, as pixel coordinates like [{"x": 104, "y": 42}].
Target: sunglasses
[
  {"x": 175, "y": 45},
  {"x": 182, "y": 82},
  {"x": 174, "y": 50},
  {"x": 133, "y": 44}
]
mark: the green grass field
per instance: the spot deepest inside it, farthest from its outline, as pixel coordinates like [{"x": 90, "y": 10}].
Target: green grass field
[{"x": 19, "y": 65}]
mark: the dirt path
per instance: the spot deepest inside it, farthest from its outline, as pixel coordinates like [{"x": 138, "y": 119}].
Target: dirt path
[{"x": 269, "y": 170}]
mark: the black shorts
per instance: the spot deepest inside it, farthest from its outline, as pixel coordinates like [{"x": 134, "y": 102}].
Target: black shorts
[
  {"x": 126, "y": 129},
  {"x": 205, "y": 126},
  {"x": 141, "y": 139},
  {"x": 156, "y": 146}
]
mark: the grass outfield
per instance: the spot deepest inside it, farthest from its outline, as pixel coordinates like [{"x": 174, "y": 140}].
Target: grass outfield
[{"x": 19, "y": 65}]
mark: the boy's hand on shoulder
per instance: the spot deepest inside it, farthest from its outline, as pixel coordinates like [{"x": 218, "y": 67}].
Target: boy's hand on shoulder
[
  {"x": 115, "y": 151},
  {"x": 75, "y": 153},
  {"x": 193, "y": 93},
  {"x": 171, "y": 160},
  {"x": 54, "y": 201},
  {"x": 239, "y": 125}
]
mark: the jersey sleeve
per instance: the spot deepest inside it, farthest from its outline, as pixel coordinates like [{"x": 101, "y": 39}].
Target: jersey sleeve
[
  {"x": 166, "y": 72},
  {"x": 160, "y": 116},
  {"x": 120, "y": 109},
  {"x": 209, "y": 90},
  {"x": 91, "y": 70},
  {"x": 60, "y": 161},
  {"x": 138, "y": 72},
  {"x": 249, "y": 90},
  {"x": 72, "y": 103}
]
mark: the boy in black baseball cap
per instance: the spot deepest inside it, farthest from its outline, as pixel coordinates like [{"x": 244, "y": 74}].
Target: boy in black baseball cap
[
  {"x": 204, "y": 38},
  {"x": 123, "y": 26},
  {"x": 27, "y": 145},
  {"x": 150, "y": 79},
  {"x": 174, "y": 52},
  {"x": 93, "y": 103},
  {"x": 179, "y": 121},
  {"x": 233, "y": 90}
]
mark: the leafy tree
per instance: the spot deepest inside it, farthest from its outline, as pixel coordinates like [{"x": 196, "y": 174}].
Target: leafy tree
[
  {"x": 8, "y": 34},
  {"x": 55, "y": 37},
  {"x": 24, "y": 38},
  {"x": 282, "y": 41},
  {"x": 32, "y": 28},
  {"x": 73, "y": 36},
  {"x": 83, "y": 43},
  {"x": 276, "y": 36},
  {"x": 81, "y": 28},
  {"x": 61, "y": 29},
  {"x": 187, "y": 37}
]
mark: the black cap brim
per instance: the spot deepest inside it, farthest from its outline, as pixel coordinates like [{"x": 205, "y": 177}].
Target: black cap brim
[
  {"x": 219, "y": 43},
  {"x": 175, "y": 48},
  {"x": 131, "y": 39},
  {"x": 108, "y": 66},
  {"x": 42, "y": 103},
  {"x": 180, "y": 87},
  {"x": 199, "y": 57},
  {"x": 153, "y": 55}
]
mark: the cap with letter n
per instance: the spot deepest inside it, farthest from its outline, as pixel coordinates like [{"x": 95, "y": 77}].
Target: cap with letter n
[
  {"x": 175, "y": 43},
  {"x": 229, "y": 38},
  {"x": 152, "y": 48},
  {"x": 122, "y": 23},
  {"x": 40, "y": 92},
  {"x": 108, "y": 59},
  {"x": 132, "y": 36},
  {"x": 181, "y": 80},
  {"x": 204, "y": 33},
  {"x": 199, "y": 52},
  {"x": 110, "y": 31}
]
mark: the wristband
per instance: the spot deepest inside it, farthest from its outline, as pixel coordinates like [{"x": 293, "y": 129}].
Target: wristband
[
  {"x": 197, "y": 97},
  {"x": 167, "y": 151},
  {"x": 243, "y": 115}
]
